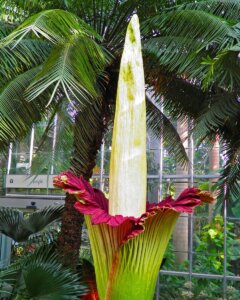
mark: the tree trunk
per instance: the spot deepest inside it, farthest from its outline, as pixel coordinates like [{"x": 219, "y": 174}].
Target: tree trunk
[
  {"x": 214, "y": 165},
  {"x": 180, "y": 233},
  {"x": 90, "y": 126},
  {"x": 69, "y": 239}
]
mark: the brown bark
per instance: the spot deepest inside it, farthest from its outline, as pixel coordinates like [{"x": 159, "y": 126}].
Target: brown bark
[
  {"x": 69, "y": 239},
  {"x": 83, "y": 162}
]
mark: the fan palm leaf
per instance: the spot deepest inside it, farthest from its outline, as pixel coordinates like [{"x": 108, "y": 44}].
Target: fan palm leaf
[
  {"x": 14, "y": 225},
  {"x": 42, "y": 276}
]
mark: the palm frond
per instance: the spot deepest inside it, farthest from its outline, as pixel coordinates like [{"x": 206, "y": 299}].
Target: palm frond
[
  {"x": 9, "y": 221},
  {"x": 229, "y": 183},
  {"x": 7, "y": 280},
  {"x": 185, "y": 51},
  {"x": 72, "y": 67},
  {"x": 181, "y": 97},
  {"x": 107, "y": 17},
  {"x": 17, "y": 116},
  {"x": 223, "y": 70},
  {"x": 159, "y": 124},
  {"x": 227, "y": 9},
  {"x": 54, "y": 25},
  {"x": 205, "y": 26},
  {"x": 89, "y": 123},
  {"x": 29, "y": 53},
  {"x": 219, "y": 109},
  {"x": 5, "y": 29},
  {"x": 180, "y": 55}
]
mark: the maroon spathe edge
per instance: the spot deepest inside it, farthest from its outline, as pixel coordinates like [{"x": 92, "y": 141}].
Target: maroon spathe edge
[{"x": 92, "y": 202}]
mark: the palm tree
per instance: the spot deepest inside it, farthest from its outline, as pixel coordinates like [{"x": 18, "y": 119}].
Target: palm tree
[{"x": 70, "y": 50}]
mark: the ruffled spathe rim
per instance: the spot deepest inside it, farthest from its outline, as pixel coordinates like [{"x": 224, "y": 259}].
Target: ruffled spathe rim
[{"x": 92, "y": 202}]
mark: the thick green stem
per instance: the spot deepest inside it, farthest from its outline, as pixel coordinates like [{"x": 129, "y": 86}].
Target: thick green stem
[{"x": 130, "y": 271}]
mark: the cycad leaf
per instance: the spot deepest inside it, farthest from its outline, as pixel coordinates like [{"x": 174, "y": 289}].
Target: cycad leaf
[
  {"x": 17, "y": 115},
  {"x": 219, "y": 109},
  {"x": 227, "y": 9},
  {"x": 185, "y": 51},
  {"x": 72, "y": 67},
  {"x": 159, "y": 124},
  {"x": 27, "y": 54},
  {"x": 54, "y": 25}
]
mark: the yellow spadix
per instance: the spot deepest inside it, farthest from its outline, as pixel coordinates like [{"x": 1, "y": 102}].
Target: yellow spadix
[{"x": 128, "y": 167}]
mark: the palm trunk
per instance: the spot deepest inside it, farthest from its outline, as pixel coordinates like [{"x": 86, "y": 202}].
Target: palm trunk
[
  {"x": 214, "y": 165},
  {"x": 180, "y": 233},
  {"x": 90, "y": 126}
]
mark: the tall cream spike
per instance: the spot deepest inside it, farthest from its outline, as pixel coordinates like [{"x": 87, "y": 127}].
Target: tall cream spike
[{"x": 128, "y": 166}]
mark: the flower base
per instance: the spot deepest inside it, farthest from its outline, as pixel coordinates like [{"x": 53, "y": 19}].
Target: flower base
[{"x": 128, "y": 251}]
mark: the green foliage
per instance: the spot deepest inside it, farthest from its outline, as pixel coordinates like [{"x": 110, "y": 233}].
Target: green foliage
[
  {"x": 40, "y": 276},
  {"x": 207, "y": 54},
  {"x": 165, "y": 127},
  {"x": 20, "y": 228},
  {"x": 210, "y": 246}
]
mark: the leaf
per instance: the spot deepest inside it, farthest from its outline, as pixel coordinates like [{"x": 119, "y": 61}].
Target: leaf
[
  {"x": 29, "y": 53},
  {"x": 14, "y": 225},
  {"x": 160, "y": 124},
  {"x": 17, "y": 116},
  {"x": 54, "y": 25},
  {"x": 41, "y": 276},
  {"x": 72, "y": 67}
]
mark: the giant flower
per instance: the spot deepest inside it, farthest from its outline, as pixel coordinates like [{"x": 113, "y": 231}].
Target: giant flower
[
  {"x": 128, "y": 236},
  {"x": 128, "y": 251}
]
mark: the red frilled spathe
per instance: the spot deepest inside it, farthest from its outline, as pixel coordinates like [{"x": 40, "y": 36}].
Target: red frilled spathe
[{"x": 92, "y": 202}]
